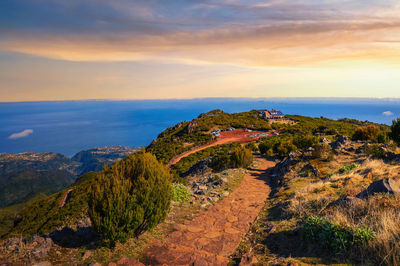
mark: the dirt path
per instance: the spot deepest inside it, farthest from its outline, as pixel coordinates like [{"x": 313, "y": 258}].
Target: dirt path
[
  {"x": 214, "y": 234},
  {"x": 227, "y": 137},
  {"x": 199, "y": 148},
  {"x": 64, "y": 199}
]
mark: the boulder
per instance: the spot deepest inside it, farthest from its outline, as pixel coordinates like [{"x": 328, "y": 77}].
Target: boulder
[
  {"x": 340, "y": 142},
  {"x": 199, "y": 168},
  {"x": 325, "y": 140},
  {"x": 283, "y": 167},
  {"x": 386, "y": 185},
  {"x": 348, "y": 201}
]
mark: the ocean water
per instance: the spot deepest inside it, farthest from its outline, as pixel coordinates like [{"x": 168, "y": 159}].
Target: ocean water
[{"x": 71, "y": 126}]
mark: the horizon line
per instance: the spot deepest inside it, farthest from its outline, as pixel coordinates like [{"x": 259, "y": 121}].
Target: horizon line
[{"x": 394, "y": 99}]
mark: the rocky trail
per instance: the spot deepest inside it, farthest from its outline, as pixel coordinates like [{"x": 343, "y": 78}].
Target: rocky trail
[{"x": 214, "y": 234}]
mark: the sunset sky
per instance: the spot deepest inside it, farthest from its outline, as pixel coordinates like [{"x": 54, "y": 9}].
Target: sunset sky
[{"x": 158, "y": 49}]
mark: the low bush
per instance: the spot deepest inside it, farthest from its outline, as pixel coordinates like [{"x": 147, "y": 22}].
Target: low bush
[
  {"x": 180, "y": 193},
  {"x": 348, "y": 168},
  {"x": 375, "y": 151},
  {"x": 369, "y": 132},
  {"x": 252, "y": 146},
  {"x": 238, "y": 157},
  {"x": 335, "y": 237}
]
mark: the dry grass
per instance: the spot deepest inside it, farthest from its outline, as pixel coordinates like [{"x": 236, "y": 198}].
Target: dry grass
[{"x": 382, "y": 215}]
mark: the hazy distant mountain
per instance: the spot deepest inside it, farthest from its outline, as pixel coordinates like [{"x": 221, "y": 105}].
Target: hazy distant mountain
[
  {"x": 94, "y": 159},
  {"x": 24, "y": 175},
  {"x": 20, "y": 186}
]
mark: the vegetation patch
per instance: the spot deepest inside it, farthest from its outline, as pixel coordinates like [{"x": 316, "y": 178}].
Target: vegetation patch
[
  {"x": 130, "y": 197},
  {"x": 335, "y": 237},
  {"x": 180, "y": 193}
]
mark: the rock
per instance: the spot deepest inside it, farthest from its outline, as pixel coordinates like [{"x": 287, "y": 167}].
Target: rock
[
  {"x": 351, "y": 201},
  {"x": 224, "y": 180},
  {"x": 283, "y": 167},
  {"x": 310, "y": 168},
  {"x": 12, "y": 243},
  {"x": 309, "y": 149},
  {"x": 203, "y": 187},
  {"x": 360, "y": 150},
  {"x": 386, "y": 185},
  {"x": 86, "y": 255},
  {"x": 225, "y": 193},
  {"x": 325, "y": 140},
  {"x": 200, "y": 168},
  {"x": 340, "y": 142}
]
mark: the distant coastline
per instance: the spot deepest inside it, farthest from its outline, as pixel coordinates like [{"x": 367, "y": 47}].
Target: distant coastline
[{"x": 67, "y": 127}]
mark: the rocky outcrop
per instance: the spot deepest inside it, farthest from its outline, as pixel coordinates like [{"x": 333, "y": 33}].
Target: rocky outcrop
[
  {"x": 283, "y": 167},
  {"x": 37, "y": 247},
  {"x": 386, "y": 185},
  {"x": 200, "y": 168},
  {"x": 312, "y": 169},
  {"x": 340, "y": 143},
  {"x": 78, "y": 234}
]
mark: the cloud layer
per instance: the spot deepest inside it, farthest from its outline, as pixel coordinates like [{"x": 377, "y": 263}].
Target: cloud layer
[
  {"x": 242, "y": 32},
  {"x": 21, "y": 134}
]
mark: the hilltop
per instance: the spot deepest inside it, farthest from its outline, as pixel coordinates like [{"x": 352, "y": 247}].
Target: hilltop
[{"x": 321, "y": 164}]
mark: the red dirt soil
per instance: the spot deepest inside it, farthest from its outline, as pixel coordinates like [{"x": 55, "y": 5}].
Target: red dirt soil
[
  {"x": 214, "y": 234},
  {"x": 226, "y": 137}
]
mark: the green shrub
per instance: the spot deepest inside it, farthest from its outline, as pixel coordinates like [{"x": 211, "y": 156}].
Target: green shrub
[
  {"x": 333, "y": 236},
  {"x": 382, "y": 138},
  {"x": 238, "y": 157},
  {"x": 304, "y": 141},
  {"x": 130, "y": 197},
  {"x": 221, "y": 162},
  {"x": 375, "y": 151},
  {"x": 348, "y": 168},
  {"x": 180, "y": 193},
  {"x": 369, "y": 132},
  {"x": 252, "y": 146},
  {"x": 395, "y": 130},
  {"x": 241, "y": 157}
]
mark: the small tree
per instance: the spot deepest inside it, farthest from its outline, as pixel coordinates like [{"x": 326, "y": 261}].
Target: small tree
[
  {"x": 130, "y": 197},
  {"x": 395, "y": 130}
]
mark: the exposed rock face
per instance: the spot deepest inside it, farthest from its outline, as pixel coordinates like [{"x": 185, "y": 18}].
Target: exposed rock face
[
  {"x": 386, "y": 185},
  {"x": 199, "y": 168},
  {"x": 284, "y": 166},
  {"x": 37, "y": 247},
  {"x": 341, "y": 142},
  {"x": 75, "y": 235}
]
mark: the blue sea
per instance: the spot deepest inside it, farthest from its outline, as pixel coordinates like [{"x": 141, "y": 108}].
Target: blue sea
[{"x": 68, "y": 127}]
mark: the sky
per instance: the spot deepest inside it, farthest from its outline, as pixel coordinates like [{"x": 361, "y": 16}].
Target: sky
[{"x": 161, "y": 49}]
